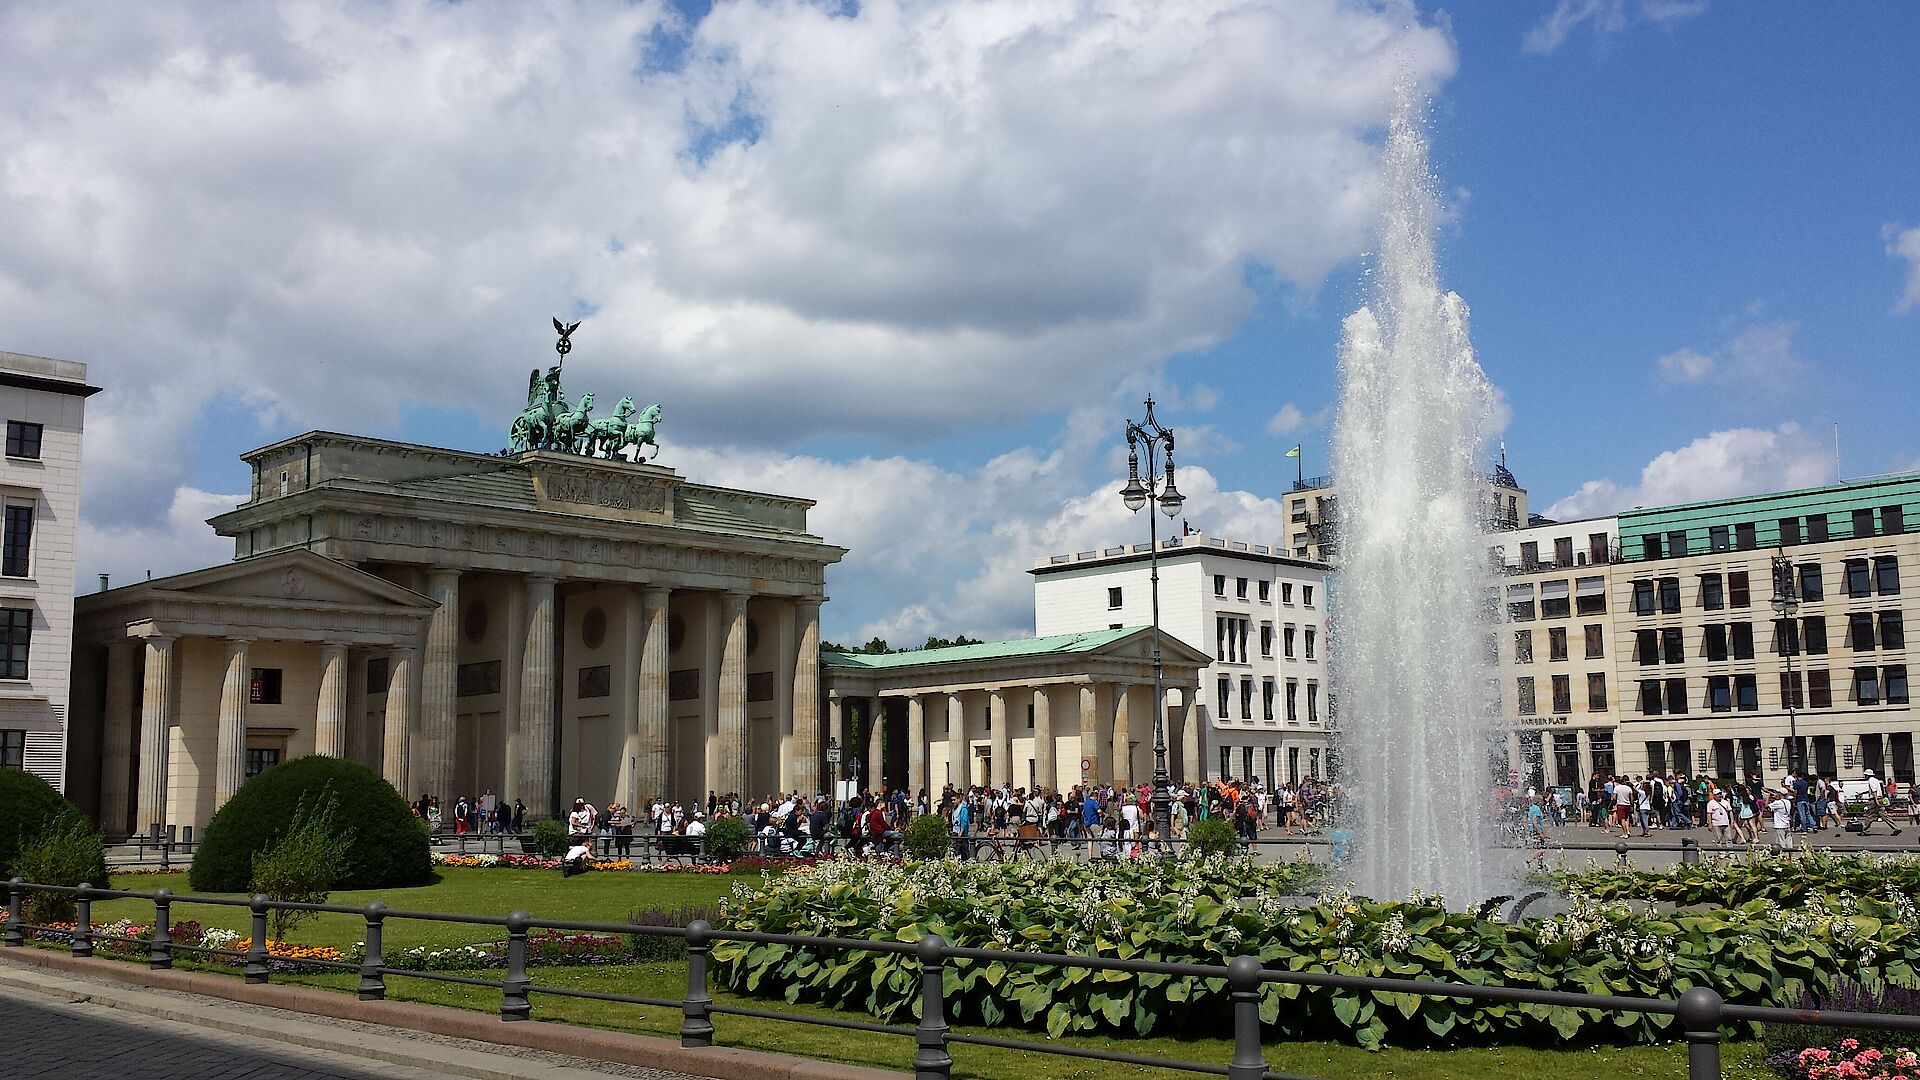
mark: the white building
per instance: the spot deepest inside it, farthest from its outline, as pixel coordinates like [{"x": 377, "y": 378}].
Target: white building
[
  {"x": 44, "y": 402},
  {"x": 1265, "y": 702}
]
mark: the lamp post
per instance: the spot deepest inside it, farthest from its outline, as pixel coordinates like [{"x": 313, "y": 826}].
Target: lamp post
[
  {"x": 1159, "y": 490},
  {"x": 1786, "y": 601}
]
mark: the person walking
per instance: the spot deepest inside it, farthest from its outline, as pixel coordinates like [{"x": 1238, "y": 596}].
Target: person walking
[
  {"x": 1876, "y": 810},
  {"x": 620, "y": 820},
  {"x": 1718, "y": 816}
]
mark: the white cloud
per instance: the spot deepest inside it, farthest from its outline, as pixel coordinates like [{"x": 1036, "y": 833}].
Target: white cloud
[
  {"x": 1287, "y": 421},
  {"x": 1606, "y": 18},
  {"x": 179, "y": 540},
  {"x": 1740, "y": 461},
  {"x": 1758, "y": 365},
  {"x": 1905, "y": 244},
  {"x": 780, "y": 222}
]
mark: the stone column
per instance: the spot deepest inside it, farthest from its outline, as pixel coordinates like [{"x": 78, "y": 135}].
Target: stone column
[
  {"x": 957, "y": 765},
  {"x": 999, "y": 739},
  {"x": 732, "y": 748},
  {"x": 1122, "y": 733},
  {"x": 625, "y": 689},
  {"x": 916, "y": 745},
  {"x": 782, "y": 644},
  {"x": 837, "y": 726},
  {"x": 805, "y": 751},
  {"x": 116, "y": 748},
  {"x": 536, "y": 700},
  {"x": 231, "y": 756},
  {"x": 870, "y": 776},
  {"x": 1192, "y": 769},
  {"x": 156, "y": 737},
  {"x": 1046, "y": 772},
  {"x": 356, "y": 733},
  {"x": 432, "y": 759},
  {"x": 330, "y": 719},
  {"x": 512, "y": 667},
  {"x": 650, "y": 707},
  {"x": 394, "y": 733},
  {"x": 1090, "y": 731}
]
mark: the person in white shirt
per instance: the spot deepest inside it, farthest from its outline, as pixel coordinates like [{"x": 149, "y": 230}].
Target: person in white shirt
[
  {"x": 1718, "y": 816},
  {"x": 696, "y": 827},
  {"x": 1782, "y": 807},
  {"x": 1876, "y": 806}
]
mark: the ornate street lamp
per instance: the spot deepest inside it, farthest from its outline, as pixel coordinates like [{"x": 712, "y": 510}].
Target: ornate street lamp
[
  {"x": 1158, "y": 489},
  {"x": 1786, "y": 601}
]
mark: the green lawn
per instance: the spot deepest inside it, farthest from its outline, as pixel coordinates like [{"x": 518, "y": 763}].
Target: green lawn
[{"x": 610, "y": 896}]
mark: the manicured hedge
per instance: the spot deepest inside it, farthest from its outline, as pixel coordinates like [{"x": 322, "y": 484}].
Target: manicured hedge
[
  {"x": 1732, "y": 882},
  {"x": 389, "y": 846},
  {"x": 27, "y": 805}
]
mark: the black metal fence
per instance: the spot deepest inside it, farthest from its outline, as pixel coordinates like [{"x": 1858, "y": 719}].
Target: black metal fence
[{"x": 1701, "y": 1010}]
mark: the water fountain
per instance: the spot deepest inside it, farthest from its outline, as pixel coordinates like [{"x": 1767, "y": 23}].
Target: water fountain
[{"x": 1415, "y": 685}]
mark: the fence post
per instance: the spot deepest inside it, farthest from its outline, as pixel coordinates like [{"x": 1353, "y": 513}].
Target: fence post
[
  {"x": 696, "y": 1028},
  {"x": 256, "y": 968},
  {"x": 514, "y": 1004},
  {"x": 1700, "y": 1025},
  {"x": 1689, "y": 850},
  {"x": 1620, "y": 849},
  {"x": 82, "y": 942},
  {"x": 14, "y": 936},
  {"x": 1243, "y": 977},
  {"x": 932, "y": 1061},
  {"x": 373, "y": 981},
  {"x": 160, "y": 952}
]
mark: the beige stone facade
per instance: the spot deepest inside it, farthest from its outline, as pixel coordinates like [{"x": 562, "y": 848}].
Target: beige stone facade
[{"x": 545, "y": 626}]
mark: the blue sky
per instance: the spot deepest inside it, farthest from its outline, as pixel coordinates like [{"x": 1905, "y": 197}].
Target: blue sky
[{"x": 919, "y": 261}]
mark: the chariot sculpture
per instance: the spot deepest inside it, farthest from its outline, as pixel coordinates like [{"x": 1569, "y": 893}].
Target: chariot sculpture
[{"x": 549, "y": 422}]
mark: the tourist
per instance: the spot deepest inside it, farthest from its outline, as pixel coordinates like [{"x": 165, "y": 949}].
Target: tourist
[
  {"x": 433, "y": 817},
  {"x": 1783, "y": 810},
  {"x": 1718, "y": 816},
  {"x": 1536, "y": 833},
  {"x": 1623, "y": 800},
  {"x": 579, "y": 822},
  {"x": 1643, "y": 805},
  {"x": 620, "y": 820},
  {"x": 576, "y": 859},
  {"x": 1746, "y": 819},
  {"x": 1876, "y": 810},
  {"x": 519, "y": 816}
]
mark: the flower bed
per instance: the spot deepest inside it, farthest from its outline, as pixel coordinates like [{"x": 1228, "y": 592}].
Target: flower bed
[
  {"x": 1210, "y": 911},
  {"x": 1850, "y": 1062},
  {"x": 1733, "y": 882},
  {"x": 541, "y": 862},
  {"x": 130, "y": 939}
]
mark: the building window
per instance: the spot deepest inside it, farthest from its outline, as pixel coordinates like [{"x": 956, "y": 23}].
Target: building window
[
  {"x": 1266, "y": 700},
  {"x": 1673, "y": 646},
  {"x": 1745, "y": 536},
  {"x": 1286, "y": 642},
  {"x": 1309, "y": 632},
  {"x": 1286, "y": 592},
  {"x": 1226, "y": 697},
  {"x": 263, "y": 686},
  {"x": 1789, "y": 531},
  {"x": 1597, "y": 549},
  {"x": 1306, "y": 595},
  {"x": 1226, "y": 763},
  {"x": 1670, "y": 596},
  {"x": 1266, "y": 591},
  {"x": 16, "y": 553},
  {"x": 1523, "y": 646},
  {"x": 16, "y": 639},
  {"x": 1313, "y": 702},
  {"x": 1719, "y": 538},
  {"x": 1886, "y": 573},
  {"x": 1860, "y": 631},
  {"x": 1790, "y": 691},
  {"x": 1819, "y": 689},
  {"x": 377, "y": 674},
  {"x": 1650, "y": 703},
  {"x": 1596, "y": 641},
  {"x": 23, "y": 439},
  {"x": 1813, "y": 636},
  {"x": 1523, "y": 687},
  {"x": 13, "y": 749},
  {"x": 1220, "y": 637},
  {"x": 1246, "y": 699},
  {"x": 1557, "y": 643},
  {"x": 1650, "y": 546},
  {"x": 1816, "y": 528},
  {"x": 1553, "y": 600},
  {"x": 1737, "y": 591},
  {"x": 476, "y": 679},
  {"x": 1219, "y": 584},
  {"x": 1719, "y": 694},
  {"x": 1643, "y": 598},
  {"x": 596, "y": 681},
  {"x": 1113, "y": 598},
  {"x": 1866, "y": 686},
  {"x": 1677, "y": 544},
  {"x": 1646, "y": 647},
  {"x": 1716, "y": 642},
  {"x": 1520, "y": 603},
  {"x": 1742, "y": 633},
  {"x": 1597, "y": 692},
  {"x": 261, "y": 758},
  {"x": 1786, "y": 637},
  {"x": 1240, "y": 588},
  {"x": 1562, "y": 694},
  {"x": 1266, "y": 639},
  {"x": 1896, "y": 684},
  {"x": 1713, "y": 593},
  {"x": 1863, "y": 522},
  {"x": 1812, "y": 588},
  {"x": 1893, "y": 630},
  {"x": 1858, "y": 583},
  {"x": 1563, "y": 551},
  {"x": 1293, "y": 701},
  {"x": 1677, "y": 696},
  {"x": 1746, "y": 693},
  {"x": 1590, "y": 596},
  {"x": 1893, "y": 520}
]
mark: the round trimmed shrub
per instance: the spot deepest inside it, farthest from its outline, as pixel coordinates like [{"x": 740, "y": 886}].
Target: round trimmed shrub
[
  {"x": 28, "y": 805},
  {"x": 928, "y": 837},
  {"x": 1212, "y": 836},
  {"x": 389, "y": 849},
  {"x": 550, "y": 837},
  {"x": 727, "y": 839}
]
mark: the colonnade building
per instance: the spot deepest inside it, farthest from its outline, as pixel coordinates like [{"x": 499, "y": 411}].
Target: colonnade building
[{"x": 540, "y": 625}]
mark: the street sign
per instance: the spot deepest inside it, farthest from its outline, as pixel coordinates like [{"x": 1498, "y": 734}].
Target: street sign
[
  {"x": 833, "y": 755},
  {"x": 1086, "y": 764}
]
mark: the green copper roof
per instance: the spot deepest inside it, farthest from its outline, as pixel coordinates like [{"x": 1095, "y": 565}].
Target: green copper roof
[{"x": 992, "y": 650}]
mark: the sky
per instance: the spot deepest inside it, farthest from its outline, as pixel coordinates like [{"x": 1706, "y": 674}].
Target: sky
[{"x": 920, "y": 261}]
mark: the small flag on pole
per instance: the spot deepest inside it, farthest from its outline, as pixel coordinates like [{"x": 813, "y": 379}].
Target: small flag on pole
[{"x": 1295, "y": 452}]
